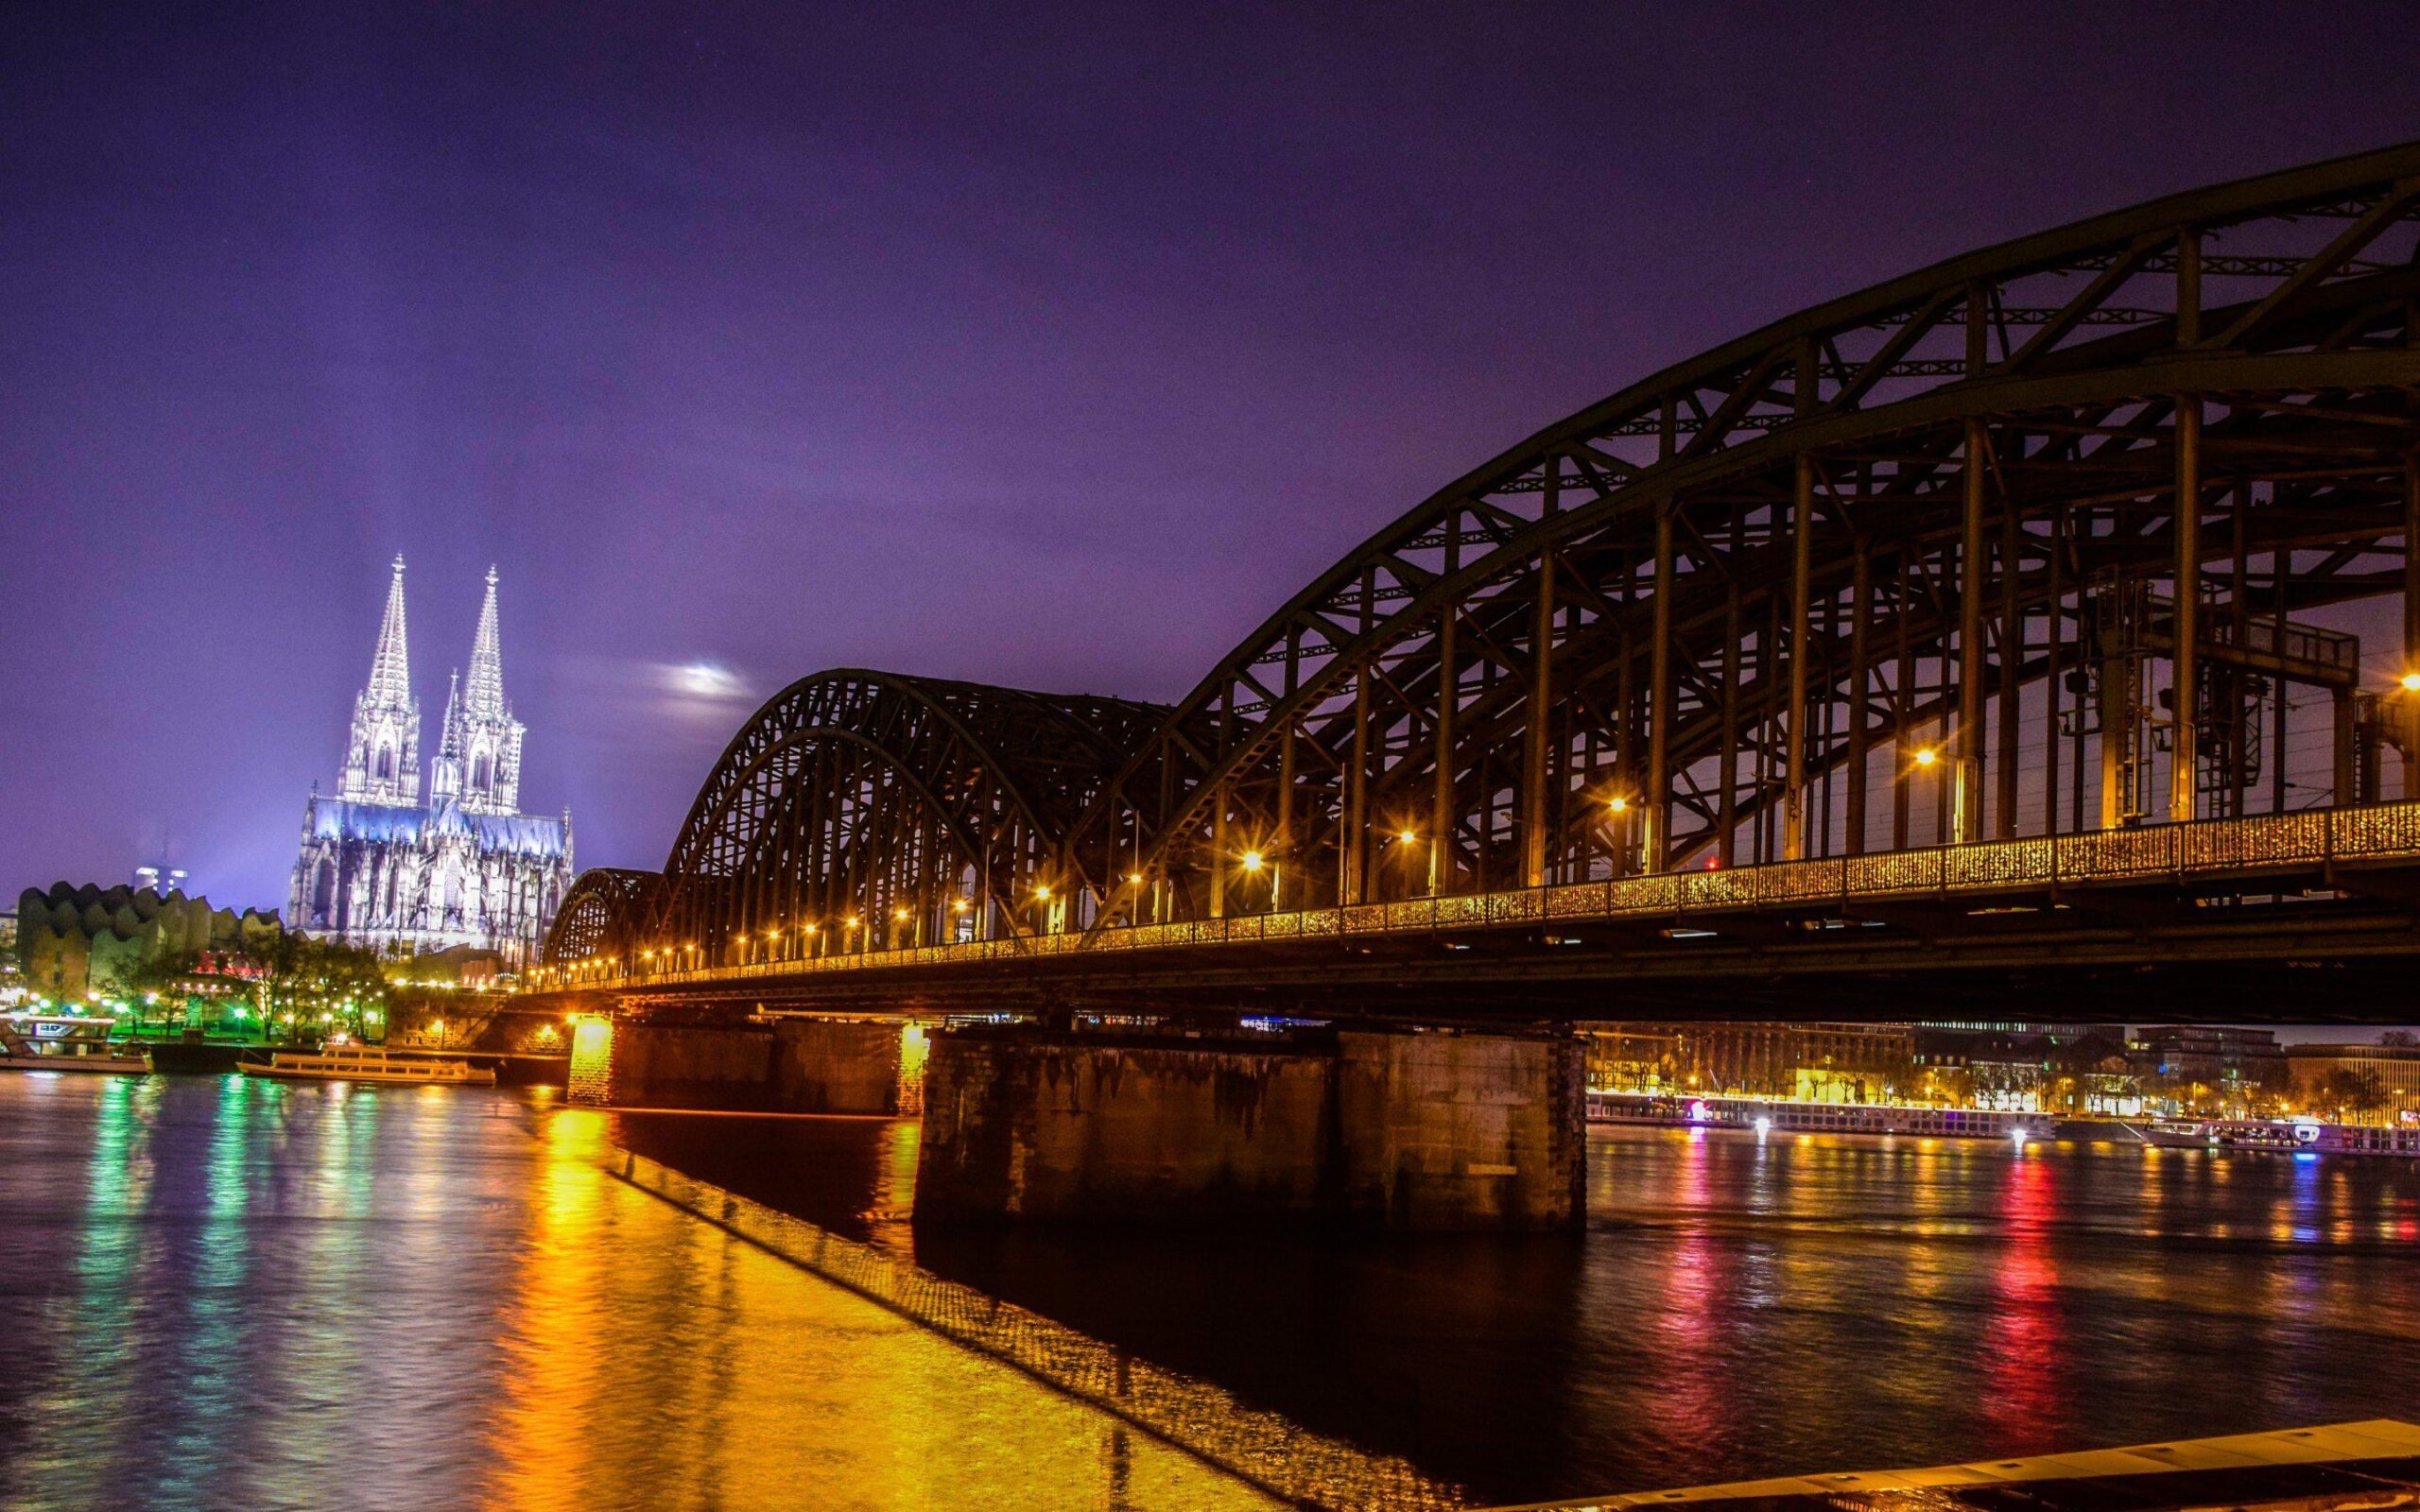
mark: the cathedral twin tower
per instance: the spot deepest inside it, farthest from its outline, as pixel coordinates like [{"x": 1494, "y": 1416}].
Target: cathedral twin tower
[{"x": 467, "y": 868}]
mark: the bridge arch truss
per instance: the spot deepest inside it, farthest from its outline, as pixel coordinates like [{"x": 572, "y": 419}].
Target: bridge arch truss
[
  {"x": 2083, "y": 531},
  {"x": 1900, "y": 569},
  {"x": 861, "y": 810}
]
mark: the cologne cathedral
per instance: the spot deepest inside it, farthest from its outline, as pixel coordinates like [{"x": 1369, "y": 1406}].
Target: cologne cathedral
[{"x": 380, "y": 868}]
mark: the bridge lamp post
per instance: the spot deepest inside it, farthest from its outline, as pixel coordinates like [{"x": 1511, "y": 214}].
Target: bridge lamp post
[
  {"x": 1617, "y": 818},
  {"x": 850, "y": 941},
  {"x": 958, "y": 908},
  {"x": 1254, "y": 862},
  {"x": 2410, "y": 684},
  {"x": 1925, "y": 760},
  {"x": 1403, "y": 840},
  {"x": 906, "y": 936}
]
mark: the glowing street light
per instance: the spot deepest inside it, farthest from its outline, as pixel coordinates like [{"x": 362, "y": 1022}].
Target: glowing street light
[
  {"x": 2411, "y": 682},
  {"x": 1617, "y": 804},
  {"x": 1927, "y": 756},
  {"x": 1254, "y": 861}
]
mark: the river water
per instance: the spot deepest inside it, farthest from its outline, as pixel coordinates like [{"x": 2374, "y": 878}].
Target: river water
[
  {"x": 221, "y": 1293},
  {"x": 218, "y": 1293}
]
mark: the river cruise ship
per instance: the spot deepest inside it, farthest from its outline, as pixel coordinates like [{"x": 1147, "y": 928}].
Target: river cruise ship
[
  {"x": 368, "y": 1063},
  {"x": 1781, "y": 1116},
  {"x": 48, "y": 1042},
  {"x": 2280, "y": 1136}
]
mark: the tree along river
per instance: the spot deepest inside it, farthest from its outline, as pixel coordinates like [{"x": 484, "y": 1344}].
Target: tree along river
[{"x": 223, "y": 1290}]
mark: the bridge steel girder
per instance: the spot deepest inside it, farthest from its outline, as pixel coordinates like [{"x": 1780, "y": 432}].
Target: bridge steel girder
[
  {"x": 1737, "y": 596},
  {"x": 852, "y": 796},
  {"x": 2326, "y": 964},
  {"x": 1538, "y": 569},
  {"x": 606, "y": 915}
]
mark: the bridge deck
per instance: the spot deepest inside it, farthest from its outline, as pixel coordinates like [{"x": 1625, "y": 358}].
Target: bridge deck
[{"x": 2117, "y": 898}]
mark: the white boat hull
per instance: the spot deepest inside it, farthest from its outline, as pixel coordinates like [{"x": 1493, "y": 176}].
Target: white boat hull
[
  {"x": 464, "y": 1076},
  {"x": 90, "y": 1065}
]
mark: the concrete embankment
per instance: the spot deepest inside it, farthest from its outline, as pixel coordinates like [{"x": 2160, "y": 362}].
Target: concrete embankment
[{"x": 1262, "y": 1449}]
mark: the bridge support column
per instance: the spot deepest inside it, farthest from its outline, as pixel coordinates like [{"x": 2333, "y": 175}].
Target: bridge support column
[
  {"x": 2411, "y": 614},
  {"x": 1966, "y": 748},
  {"x": 1793, "y": 792},
  {"x": 1394, "y": 1130},
  {"x": 792, "y": 1066},
  {"x": 1656, "y": 844},
  {"x": 2184, "y": 771}
]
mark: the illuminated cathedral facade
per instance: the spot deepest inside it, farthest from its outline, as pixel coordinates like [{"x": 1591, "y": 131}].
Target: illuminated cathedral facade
[{"x": 381, "y": 867}]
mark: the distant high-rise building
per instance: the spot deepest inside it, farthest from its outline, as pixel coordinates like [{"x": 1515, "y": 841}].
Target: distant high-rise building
[
  {"x": 379, "y": 869},
  {"x": 161, "y": 880}
]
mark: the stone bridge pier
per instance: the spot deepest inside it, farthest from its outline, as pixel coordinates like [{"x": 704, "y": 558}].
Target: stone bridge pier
[
  {"x": 794, "y": 1065},
  {"x": 1387, "y": 1129}
]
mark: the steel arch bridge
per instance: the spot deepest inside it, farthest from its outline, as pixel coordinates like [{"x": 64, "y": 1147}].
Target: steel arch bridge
[
  {"x": 876, "y": 809},
  {"x": 606, "y": 913},
  {"x": 2083, "y": 532}
]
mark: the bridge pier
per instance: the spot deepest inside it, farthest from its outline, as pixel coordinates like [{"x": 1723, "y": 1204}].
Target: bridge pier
[
  {"x": 790, "y": 1066},
  {"x": 1387, "y": 1129}
]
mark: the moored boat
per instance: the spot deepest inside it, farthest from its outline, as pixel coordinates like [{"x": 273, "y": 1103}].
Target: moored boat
[
  {"x": 368, "y": 1063},
  {"x": 2279, "y": 1136},
  {"x": 49, "y": 1042},
  {"x": 1785, "y": 1116}
]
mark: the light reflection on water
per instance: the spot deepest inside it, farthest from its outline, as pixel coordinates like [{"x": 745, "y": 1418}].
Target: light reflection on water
[
  {"x": 1736, "y": 1309},
  {"x": 218, "y": 1292}
]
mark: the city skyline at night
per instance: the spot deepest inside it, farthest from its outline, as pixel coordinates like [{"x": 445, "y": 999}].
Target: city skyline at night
[{"x": 1381, "y": 761}]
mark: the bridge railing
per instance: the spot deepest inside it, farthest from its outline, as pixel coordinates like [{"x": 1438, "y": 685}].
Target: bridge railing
[{"x": 2204, "y": 850}]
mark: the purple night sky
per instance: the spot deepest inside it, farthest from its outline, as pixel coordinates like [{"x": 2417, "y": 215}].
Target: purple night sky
[{"x": 1052, "y": 352}]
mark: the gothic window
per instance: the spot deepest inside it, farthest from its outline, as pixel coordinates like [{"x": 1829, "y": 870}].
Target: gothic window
[
  {"x": 387, "y": 763},
  {"x": 479, "y": 774}
]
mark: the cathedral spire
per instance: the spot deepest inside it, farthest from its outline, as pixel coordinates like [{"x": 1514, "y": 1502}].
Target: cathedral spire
[
  {"x": 382, "y": 757},
  {"x": 485, "y": 697},
  {"x": 449, "y": 738},
  {"x": 478, "y": 757},
  {"x": 390, "y": 670}
]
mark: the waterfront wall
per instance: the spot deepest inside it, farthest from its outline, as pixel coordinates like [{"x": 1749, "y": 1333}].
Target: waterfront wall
[
  {"x": 533, "y": 1045},
  {"x": 1382, "y": 1128},
  {"x": 1296, "y": 1467}
]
